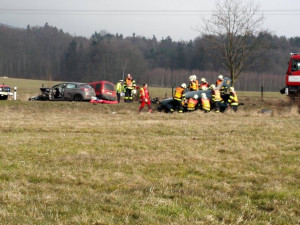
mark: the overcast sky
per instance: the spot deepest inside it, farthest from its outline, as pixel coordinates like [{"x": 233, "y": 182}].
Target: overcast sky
[{"x": 143, "y": 17}]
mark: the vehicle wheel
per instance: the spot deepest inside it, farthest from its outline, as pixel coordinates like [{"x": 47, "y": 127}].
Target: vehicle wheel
[
  {"x": 5, "y": 97},
  {"x": 78, "y": 98}
]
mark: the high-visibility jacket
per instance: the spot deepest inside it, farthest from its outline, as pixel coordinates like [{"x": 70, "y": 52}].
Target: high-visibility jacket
[
  {"x": 144, "y": 94},
  {"x": 128, "y": 83},
  {"x": 179, "y": 94},
  {"x": 233, "y": 99},
  {"x": 216, "y": 96},
  {"x": 119, "y": 87},
  {"x": 206, "y": 85},
  {"x": 218, "y": 82},
  {"x": 205, "y": 103},
  {"x": 192, "y": 103},
  {"x": 193, "y": 86}
]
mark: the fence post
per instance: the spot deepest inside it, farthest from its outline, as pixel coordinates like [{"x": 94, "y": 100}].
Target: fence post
[{"x": 262, "y": 92}]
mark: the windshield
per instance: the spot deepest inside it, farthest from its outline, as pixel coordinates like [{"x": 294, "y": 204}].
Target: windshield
[{"x": 295, "y": 65}]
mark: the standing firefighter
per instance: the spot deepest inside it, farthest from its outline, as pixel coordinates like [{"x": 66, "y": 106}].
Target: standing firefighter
[
  {"x": 233, "y": 99},
  {"x": 219, "y": 80},
  {"x": 215, "y": 97},
  {"x": 179, "y": 97},
  {"x": 128, "y": 88},
  {"x": 119, "y": 90},
  {"x": 192, "y": 103},
  {"x": 193, "y": 84},
  {"x": 205, "y": 103},
  {"x": 145, "y": 98}
]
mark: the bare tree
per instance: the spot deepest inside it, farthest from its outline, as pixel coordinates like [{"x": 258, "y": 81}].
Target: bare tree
[{"x": 232, "y": 35}]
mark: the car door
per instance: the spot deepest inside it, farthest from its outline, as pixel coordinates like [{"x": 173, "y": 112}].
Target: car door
[{"x": 69, "y": 91}]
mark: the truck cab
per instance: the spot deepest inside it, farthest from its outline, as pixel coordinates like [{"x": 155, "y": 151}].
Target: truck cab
[{"x": 292, "y": 77}]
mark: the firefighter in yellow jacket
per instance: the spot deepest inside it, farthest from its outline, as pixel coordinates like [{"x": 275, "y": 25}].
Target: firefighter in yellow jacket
[
  {"x": 119, "y": 90},
  {"x": 192, "y": 104},
  {"x": 233, "y": 99},
  {"x": 129, "y": 86},
  {"x": 216, "y": 98},
  {"x": 179, "y": 97},
  {"x": 205, "y": 103}
]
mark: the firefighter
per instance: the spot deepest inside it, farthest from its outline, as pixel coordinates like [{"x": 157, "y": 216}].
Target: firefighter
[
  {"x": 193, "y": 84},
  {"x": 128, "y": 88},
  {"x": 145, "y": 98},
  {"x": 119, "y": 90},
  {"x": 205, "y": 103},
  {"x": 192, "y": 104},
  {"x": 233, "y": 99},
  {"x": 179, "y": 97},
  {"x": 204, "y": 85},
  {"x": 215, "y": 97},
  {"x": 219, "y": 80}
]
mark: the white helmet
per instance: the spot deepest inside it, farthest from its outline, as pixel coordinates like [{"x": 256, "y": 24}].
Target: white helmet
[
  {"x": 203, "y": 95},
  {"x": 183, "y": 85},
  {"x": 191, "y": 78},
  {"x": 231, "y": 89},
  {"x": 213, "y": 86},
  {"x": 203, "y": 80},
  {"x": 195, "y": 77},
  {"x": 196, "y": 97},
  {"x": 220, "y": 77}
]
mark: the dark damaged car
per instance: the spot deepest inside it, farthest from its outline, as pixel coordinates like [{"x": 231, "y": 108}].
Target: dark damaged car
[{"x": 67, "y": 91}]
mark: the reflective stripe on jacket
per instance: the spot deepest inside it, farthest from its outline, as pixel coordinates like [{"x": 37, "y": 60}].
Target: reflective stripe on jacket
[
  {"x": 233, "y": 99},
  {"x": 144, "y": 93},
  {"x": 216, "y": 96},
  {"x": 205, "y": 104},
  {"x": 192, "y": 104},
  {"x": 179, "y": 94},
  {"x": 194, "y": 85}
]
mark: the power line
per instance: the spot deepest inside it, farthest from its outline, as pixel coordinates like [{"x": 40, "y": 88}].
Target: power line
[{"x": 140, "y": 12}]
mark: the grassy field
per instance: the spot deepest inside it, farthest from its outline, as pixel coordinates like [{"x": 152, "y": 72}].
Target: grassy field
[{"x": 79, "y": 163}]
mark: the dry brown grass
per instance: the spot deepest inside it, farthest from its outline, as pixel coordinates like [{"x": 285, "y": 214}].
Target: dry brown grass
[{"x": 78, "y": 163}]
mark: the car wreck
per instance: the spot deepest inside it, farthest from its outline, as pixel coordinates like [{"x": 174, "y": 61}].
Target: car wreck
[
  {"x": 168, "y": 103},
  {"x": 5, "y": 91},
  {"x": 67, "y": 91}
]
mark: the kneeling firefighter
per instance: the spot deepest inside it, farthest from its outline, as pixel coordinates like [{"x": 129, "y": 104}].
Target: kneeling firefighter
[
  {"x": 205, "y": 103},
  {"x": 192, "y": 104},
  {"x": 233, "y": 99}
]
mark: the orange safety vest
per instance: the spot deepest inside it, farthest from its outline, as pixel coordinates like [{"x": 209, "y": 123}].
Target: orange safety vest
[
  {"x": 233, "y": 99},
  {"x": 128, "y": 82},
  {"x": 205, "y": 104},
  {"x": 192, "y": 104},
  {"x": 218, "y": 82},
  {"x": 194, "y": 85},
  {"x": 178, "y": 93},
  {"x": 216, "y": 96},
  {"x": 204, "y": 85}
]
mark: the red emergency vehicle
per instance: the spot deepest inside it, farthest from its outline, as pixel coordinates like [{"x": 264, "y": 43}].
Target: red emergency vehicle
[{"x": 292, "y": 77}]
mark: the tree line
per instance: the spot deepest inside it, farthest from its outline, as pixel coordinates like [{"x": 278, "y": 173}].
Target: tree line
[{"x": 50, "y": 53}]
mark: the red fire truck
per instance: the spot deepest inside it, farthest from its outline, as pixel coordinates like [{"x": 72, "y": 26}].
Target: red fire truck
[{"x": 292, "y": 77}]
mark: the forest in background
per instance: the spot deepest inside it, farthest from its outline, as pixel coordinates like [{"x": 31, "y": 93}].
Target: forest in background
[{"x": 50, "y": 53}]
